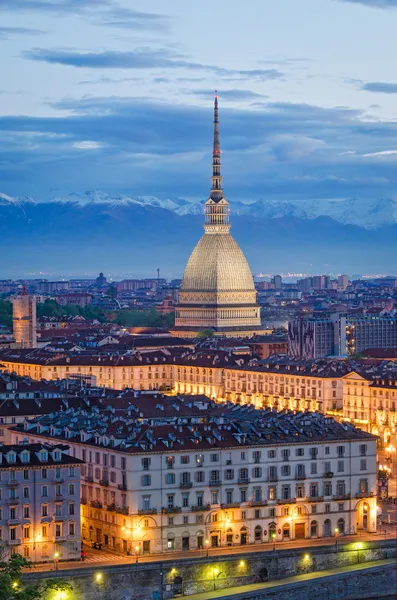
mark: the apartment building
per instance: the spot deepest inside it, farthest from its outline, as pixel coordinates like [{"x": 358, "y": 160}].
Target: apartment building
[
  {"x": 370, "y": 400},
  {"x": 40, "y": 501},
  {"x": 213, "y": 478}
]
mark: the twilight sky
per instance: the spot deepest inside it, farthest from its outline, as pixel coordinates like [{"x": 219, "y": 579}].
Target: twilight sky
[{"x": 117, "y": 95}]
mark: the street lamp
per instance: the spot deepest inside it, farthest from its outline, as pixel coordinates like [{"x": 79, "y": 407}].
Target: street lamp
[
  {"x": 215, "y": 571},
  {"x": 336, "y": 539},
  {"x": 56, "y": 556},
  {"x": 136, "y": 556},
  {"x": 207, "y": 545},
  {"x": 274, "y": 540}
]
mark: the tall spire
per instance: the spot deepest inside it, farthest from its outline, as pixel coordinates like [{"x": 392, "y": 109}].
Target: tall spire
[{"x": 216, "y": 189}]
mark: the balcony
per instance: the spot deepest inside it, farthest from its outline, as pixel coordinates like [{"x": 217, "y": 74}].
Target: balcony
[
  {"x": 59, "y": 498},
  {"x": 231, "y": 505},
  {"x": 185, "y": 485},
  {"x": 300, "y": 476},
  {"x": 315, "y": 499},
  {"x": 58, "y": 518},
  {"x": 13, "y": 500},
  {"x": 364, "y": 495},
  {"x": 170, "y": 510},
  {"x": 201, "y": 507},
  {"x": 96, "y": 504},
  {"x": 104, "y": 482},
  {"x": 122, "y": 487},
  {"x": 14, "y": 542},
  {"x": 111, "y": 507},
  {"x": 328, "y": 475},
  {"x": 272, "y": 478},
  {"x": 12, "y": 483},
  {"x": 229, "y": 462},
  {"x": 59, "y": 480},
  {"x": 83, "y": 500},
  {"x": 14, "y": 521},
  {"x": 286, "y": 501},
  {"x": 147, "y": 511},
  {"x": 243, "y": 480},
  {"x": 258, "y": 503},
  {"x": 215, "y": 483},
  {"x": 341, "y": 497},
  {"x": 89, "y": 479},
  {"x": 122, "y": 510}
]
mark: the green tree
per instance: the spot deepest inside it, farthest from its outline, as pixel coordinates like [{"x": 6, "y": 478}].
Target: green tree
[
  {"x": 12, "y": 586},
  {"x": 205, "y": 333},
  {"x": 5, "y": 313}
]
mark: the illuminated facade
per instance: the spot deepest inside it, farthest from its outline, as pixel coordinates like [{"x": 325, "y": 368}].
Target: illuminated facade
[
  {"x": 217, "y": 290},
  {"x": 39, "y": 502},
  {"x": 24, "y": 320},
  {"x": 183, "y": 487},
  {"x": 370, "y": 403}
]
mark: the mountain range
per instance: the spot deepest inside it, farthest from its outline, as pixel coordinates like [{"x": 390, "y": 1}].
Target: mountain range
[{"x": 83, "y": 233}]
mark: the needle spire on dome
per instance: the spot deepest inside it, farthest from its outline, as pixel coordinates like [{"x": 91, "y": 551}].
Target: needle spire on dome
[{"x": 216, "y": 189}]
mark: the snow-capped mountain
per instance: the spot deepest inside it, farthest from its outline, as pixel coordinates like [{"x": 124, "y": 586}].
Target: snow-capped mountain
[
  {"x": 366, "y": 213},
  {"x": 136, "y": 234}
]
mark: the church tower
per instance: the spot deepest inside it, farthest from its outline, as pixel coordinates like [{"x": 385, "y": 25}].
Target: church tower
[{"x": 217, "y": 290}]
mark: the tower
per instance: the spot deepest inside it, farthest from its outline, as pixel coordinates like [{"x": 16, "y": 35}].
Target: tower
[
  {"x": 217, "y": 290},
  {"x": 24, "y": 320}
]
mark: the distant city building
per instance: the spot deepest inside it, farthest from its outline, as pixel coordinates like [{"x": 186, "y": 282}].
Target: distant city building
[
  {"x": 48, "y": 287},
  {"x": 101, "y": 281},
  {"x": 40, "y": 502},
  {"x": 76, "y": 299},
  {"x": 278, "y": 282},
  {"x": 217, "y": 290},
  {"x": 24, "y": 320},
  {"x": 343, "y": 282}
]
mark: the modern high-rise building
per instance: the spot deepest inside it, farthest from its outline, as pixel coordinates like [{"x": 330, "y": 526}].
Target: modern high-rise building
[
  {"x": 339, "y": 335},
  {"x": 217, "y": 290},
  {"x": 24, "y": 320},
  {"x": 343, "y": 282}
]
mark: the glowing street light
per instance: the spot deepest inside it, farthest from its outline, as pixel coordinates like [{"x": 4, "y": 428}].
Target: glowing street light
[
  {"x": 207, "y": 545},
  {"x": 98, "y": 577}
]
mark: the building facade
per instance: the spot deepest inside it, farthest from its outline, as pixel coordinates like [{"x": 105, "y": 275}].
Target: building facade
[
  {"x": 219, "y": 482},
  {"x": 370, "y": 402},
  {"x": 40, "y": 502},
  {"x": 311, "y": 338},
  {"x": 24, "y": 320},
  {"x": 217, "y": 290}
]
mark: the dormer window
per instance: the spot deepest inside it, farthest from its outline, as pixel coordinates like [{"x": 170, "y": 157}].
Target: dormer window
[
  {"x": 57, "y": 455},
  {"x": 25, "y": 456},
  {"x": 11, "y": 457},
  {"x": 43, "y": 455}
]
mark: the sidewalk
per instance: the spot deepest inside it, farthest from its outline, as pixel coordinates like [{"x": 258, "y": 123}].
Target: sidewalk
[{"x": 229, "y": 593}]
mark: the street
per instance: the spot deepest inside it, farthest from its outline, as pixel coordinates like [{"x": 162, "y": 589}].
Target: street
[{"x": 102, "y": 558}]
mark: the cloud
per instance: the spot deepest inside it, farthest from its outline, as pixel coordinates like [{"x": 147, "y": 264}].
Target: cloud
[
  {"x": 232, "y": 95},
  {"x": 138, "y": 59},
  {"x": 7, "y": 32},
  {"x": 53, "y": 6},
  {"x": 279, "y": 150},
  {"x": 382, "y": 153},
  {"x": 127, "y": 18},
  {"x": 373, "y": 3},
  {"x": 380, "y": 86},
  {"x": 103, "y": 12}
]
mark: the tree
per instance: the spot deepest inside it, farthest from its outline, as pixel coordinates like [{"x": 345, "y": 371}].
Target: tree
[
  {"x": 5, "y": 313},
  {"x": 205, "y": 333},
  {"x": 12, "y": 586}
]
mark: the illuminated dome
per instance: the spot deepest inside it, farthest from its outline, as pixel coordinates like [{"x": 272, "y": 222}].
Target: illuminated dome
[
  {"x": 217, "y": 291},
  {"x": 217, "y": 264}
]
